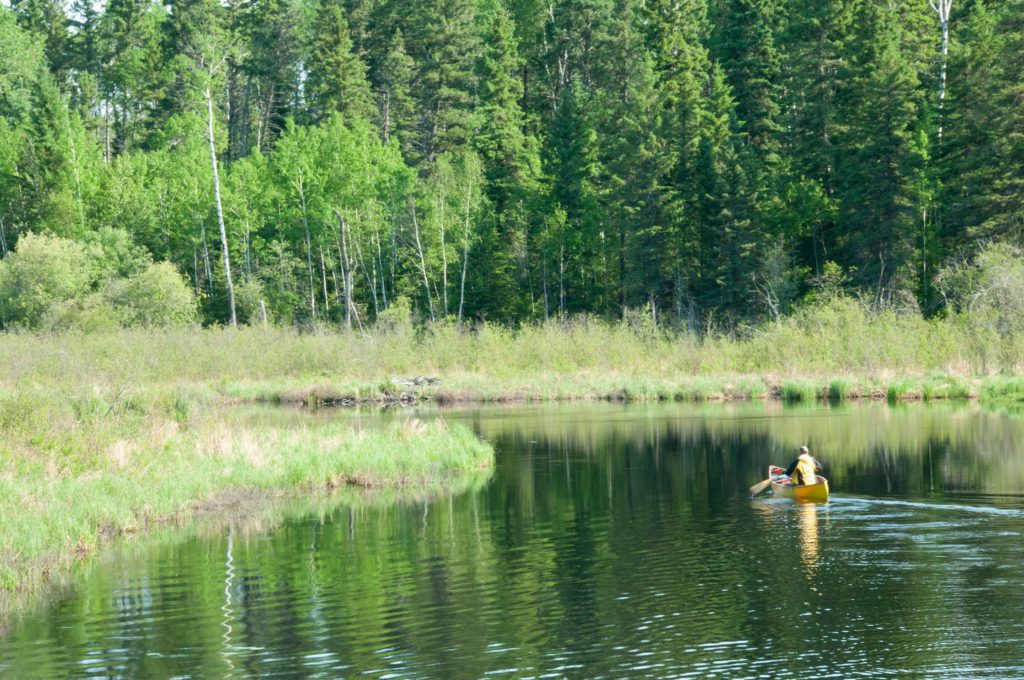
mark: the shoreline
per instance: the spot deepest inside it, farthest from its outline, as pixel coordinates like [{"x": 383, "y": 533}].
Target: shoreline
[
  {"x": 470, "y": 389},
  {"x": 54, "y": 521}
]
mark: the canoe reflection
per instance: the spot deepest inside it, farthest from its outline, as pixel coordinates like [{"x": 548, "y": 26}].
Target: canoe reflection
[{"x": 807, "y": 516}]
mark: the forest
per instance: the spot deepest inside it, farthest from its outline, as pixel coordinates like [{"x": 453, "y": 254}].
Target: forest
[{"x": 714, "y": 163}]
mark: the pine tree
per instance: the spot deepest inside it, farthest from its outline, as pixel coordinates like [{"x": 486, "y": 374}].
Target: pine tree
[
  {"x": 510, "y": 160},
  {"x": 442, "y": 38},
  {"x": 396, "y": 109},
  {"x": 337, "y": 77},
  {"x": 881, "y": 146}
]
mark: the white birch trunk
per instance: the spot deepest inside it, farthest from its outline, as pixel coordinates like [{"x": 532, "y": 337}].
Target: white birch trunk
[
  {"x": 942, "y": 8},
  {"x": 346, "y": 269},
  {"x": 465, "y": 246},
  {"x": 309, "y": 246},
  {"x": 323, "y": 276},
  {"x": 220, "y": 209},
  {"x": 423, "y": 263}
]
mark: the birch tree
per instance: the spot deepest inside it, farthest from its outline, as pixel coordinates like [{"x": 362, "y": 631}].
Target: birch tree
[
  {"x": 210, "y": 55},
  {"x": 942, "y": 8}
]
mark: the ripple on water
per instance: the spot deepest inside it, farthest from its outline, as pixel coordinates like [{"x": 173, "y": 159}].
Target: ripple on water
[{"x": 620, "y": 555}]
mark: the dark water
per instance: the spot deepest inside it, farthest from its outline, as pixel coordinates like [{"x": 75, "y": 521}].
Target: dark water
[{"x": 611, "y": 542}]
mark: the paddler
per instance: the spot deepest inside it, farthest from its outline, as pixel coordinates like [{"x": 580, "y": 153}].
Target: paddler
[{"x": 803, "y": 470}]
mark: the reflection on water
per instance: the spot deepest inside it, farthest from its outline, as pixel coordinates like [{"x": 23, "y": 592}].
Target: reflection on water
[
  {"x": 611, "y": 541},
  {"x": 807, "y": 515}
]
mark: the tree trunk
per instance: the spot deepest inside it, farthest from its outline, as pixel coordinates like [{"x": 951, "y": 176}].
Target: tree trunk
[
  {"x": 423, "y": 263},
  {"x": 206, "y": 257},
  {"x": 622, "y": 269},
  {"x": 220, "y": 209},
  {"x": 465, "y": 246},
  {"x": 380, "y": 265},
  {"x": 385, "y": 114},
  {"x": 942, "y": 72},
  {"x": 346, "y": 268},
  {"x": 309, "y": 247},
  {"x": 323, "y": 276},
  {"x": 943, "y": 8},
  {"x": 371, "y": 277}
]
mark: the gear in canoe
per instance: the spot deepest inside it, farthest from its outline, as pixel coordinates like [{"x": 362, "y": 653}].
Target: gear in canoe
[{"x": 799, "y": 481}]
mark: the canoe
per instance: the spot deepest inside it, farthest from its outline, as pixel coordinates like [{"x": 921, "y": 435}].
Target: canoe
[{"x": 783, "y": 488}]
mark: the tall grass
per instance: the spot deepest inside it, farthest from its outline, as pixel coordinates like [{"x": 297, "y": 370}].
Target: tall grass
[
  {"x": 99, "y": 469},
  {"x": 817, "y": 343}
]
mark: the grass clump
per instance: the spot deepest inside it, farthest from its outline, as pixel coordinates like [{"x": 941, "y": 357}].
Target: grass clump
[
  {"x": 105, "y": 468},
  {"x": 1003, "y": 389},
  {"x": 799, "y": 391},
  {"x": 905, "y": 389},
  {"x": 841, "y": 388}
]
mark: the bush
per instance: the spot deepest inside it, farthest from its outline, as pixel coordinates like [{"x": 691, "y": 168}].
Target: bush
[
  {"x": 52, "y": 283},
  {"x": 44, "y": 272},
  {"x": 156, "y": 296}
]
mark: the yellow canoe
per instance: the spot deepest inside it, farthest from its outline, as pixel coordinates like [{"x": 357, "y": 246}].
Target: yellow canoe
[{"x": 783, "y": 488}]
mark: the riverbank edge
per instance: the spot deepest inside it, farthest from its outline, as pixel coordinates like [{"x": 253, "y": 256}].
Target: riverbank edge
[
  {"x": 26, "y": 580},
  {"x": 470, "y": 389}
]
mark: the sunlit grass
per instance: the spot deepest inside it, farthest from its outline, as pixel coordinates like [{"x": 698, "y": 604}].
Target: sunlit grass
[{"x": 121, "y": 475}]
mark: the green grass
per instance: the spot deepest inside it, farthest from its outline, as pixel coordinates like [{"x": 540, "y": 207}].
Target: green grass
[
  {"x": 1003, "y": 390},
  {"x": 794, "y": 390},
  {"x": 120, "y": 469},
  {"x": 120, "y": 422}
]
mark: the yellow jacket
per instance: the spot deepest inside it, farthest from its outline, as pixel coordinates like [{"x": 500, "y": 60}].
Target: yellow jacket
[{"x": 806, "y": 467}]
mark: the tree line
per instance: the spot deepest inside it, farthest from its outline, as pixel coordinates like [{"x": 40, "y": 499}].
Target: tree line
[{"x": 299, "y": 161}]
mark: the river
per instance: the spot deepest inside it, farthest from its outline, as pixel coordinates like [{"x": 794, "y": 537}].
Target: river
[{"x": 611, "y": 541}]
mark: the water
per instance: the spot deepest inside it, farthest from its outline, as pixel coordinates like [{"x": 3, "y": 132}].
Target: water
[{"x": 611, "y": 541}]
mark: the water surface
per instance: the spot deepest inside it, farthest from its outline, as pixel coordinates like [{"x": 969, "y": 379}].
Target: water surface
[{"x": 612, "y": 541}]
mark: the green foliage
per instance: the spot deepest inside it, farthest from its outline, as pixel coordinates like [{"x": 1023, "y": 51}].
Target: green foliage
[
  {"x": 56, "y": 283},
  {"x": 718, "y": 161},
  {"x": 154, "y": 297},
  {"x": 46, "y": 271}
]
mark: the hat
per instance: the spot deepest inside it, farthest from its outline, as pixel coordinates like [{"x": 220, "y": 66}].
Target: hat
[{"x": 804, "y": 449}]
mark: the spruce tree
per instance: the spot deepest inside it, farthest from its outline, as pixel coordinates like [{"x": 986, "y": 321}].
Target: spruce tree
[
  {"x": 881, "y": 147},
  {"x": 442, "y": 38},
  {"x": 47, "y": 20},
  {"x": 510, "y": 160},
  {"x": 396, "y": 108},
  {"x": 337, "y": 77}
]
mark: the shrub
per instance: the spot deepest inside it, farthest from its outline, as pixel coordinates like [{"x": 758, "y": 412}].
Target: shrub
[
  {"x": 44, "y": 272},
  {"x": 156, "y": 296},
  {"x": 52, "y": 283}
]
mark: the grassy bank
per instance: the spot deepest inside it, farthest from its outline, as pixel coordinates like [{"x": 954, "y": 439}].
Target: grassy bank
[
  {"x": 105, "y": 434},
  {"x": 841, "y": 338},
  {"x": 96, "y": 472}
]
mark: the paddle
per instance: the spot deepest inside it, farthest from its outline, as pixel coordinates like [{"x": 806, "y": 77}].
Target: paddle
[{"x": 760, "y": 486}]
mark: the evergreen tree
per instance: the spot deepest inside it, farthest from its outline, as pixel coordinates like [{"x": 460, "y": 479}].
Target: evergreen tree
[
  {"x": 634, "y": 160},
  {"x": 510, "y": 161},
  {"x": 575, "y": 242},
  {"x": 881, "y": 147},
  {"x": 132, "y": 82},
  {"x": 337, "y": 77},
  {"x": 46, "y": 19},
  {"x": 442, "y": 38},
  {"x": 396, "y": 109}
]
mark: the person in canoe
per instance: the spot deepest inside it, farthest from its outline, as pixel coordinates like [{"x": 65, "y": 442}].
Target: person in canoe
[{"x": 804, "y": 469}]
